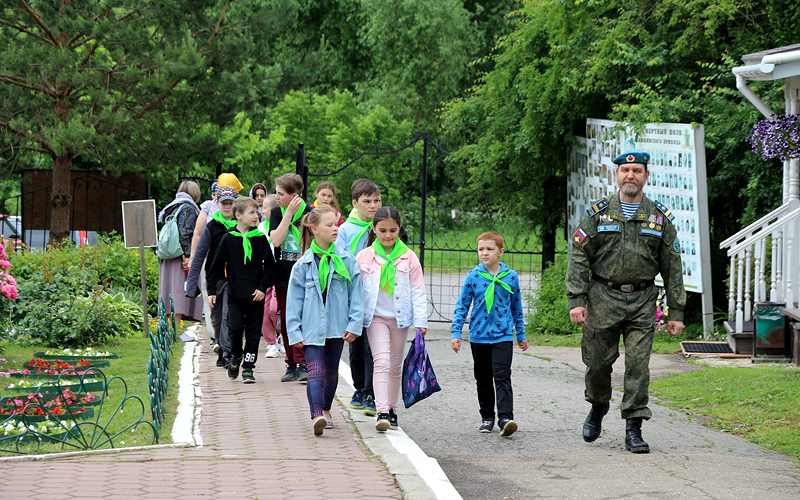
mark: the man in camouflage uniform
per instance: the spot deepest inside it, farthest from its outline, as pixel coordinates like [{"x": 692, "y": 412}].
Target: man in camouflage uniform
[{"x": 617, "y": 250}]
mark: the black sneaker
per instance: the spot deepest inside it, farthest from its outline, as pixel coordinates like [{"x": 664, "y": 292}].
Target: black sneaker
[
  {"x": 382, "y": 423},
  {"x": 507, "y": 427},
  {"x": 302, "y": 373},
  {"x": 486, "y": 426},
  {"x": 393, "y": 419},
  {"x": 233, "y": 371},
  {"x": 290, "y": 375},
  {"x": 247, "y": 376},
  {"x": 221, "y": 360}
]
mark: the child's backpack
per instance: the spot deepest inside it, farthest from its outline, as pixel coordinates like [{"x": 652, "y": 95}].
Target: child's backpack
[{"x": 169, "y": 238}]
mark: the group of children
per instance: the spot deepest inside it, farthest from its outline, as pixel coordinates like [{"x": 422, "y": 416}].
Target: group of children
[{"x": 276, "y": 265}]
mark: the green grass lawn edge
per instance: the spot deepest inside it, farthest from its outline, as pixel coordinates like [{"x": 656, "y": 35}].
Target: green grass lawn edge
[
  {"x": 134, "y": 354},
  {"x": 760, "y": 404}
]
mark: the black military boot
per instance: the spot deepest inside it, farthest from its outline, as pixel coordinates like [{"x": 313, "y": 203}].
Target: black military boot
[
  {"x": 633, "y": 436},
  {"x": 594, "y": 422}
]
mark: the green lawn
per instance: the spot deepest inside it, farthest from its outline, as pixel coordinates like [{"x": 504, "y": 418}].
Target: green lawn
[
  {"x": 761, "y": 404},
  {"x": 662, "y": 343},
  {"x": 134, "y": 353}
]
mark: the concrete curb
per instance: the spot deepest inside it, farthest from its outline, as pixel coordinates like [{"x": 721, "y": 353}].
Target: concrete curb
[{"x": 419, "y": 476}]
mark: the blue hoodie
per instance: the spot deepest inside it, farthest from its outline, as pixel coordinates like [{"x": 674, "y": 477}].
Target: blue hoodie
[{"x": 506, "y": 315}]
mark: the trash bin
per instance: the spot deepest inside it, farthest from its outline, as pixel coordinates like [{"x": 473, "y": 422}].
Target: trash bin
[{"x": 771, "y": 337}]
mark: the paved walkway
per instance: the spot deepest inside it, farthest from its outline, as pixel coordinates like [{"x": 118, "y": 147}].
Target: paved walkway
[
  {"x": 547, "y": 458},
  {"x": 257, "y": 444}
]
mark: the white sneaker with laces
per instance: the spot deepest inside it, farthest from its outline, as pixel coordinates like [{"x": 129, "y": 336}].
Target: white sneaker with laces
[{"x": 272, "y": 351}]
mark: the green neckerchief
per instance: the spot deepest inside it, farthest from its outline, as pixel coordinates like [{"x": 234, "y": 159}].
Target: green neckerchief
[
  {"x": 246, "y": 245},
  {"x": 293, "y": 229},
  {"x": 488, "y": 295},
  {"x": 388, "y": 269},
  {"x": 228, "y": 223},
  {"x": 325, "y": 258},
  {"x": 365, "y": 226}
]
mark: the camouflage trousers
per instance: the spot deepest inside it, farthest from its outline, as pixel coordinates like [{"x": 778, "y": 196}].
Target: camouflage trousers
[{"x": 613, "y": 314}]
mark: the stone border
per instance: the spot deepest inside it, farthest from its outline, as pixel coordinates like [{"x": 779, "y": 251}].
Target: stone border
[{"x": 419, "y": 476}]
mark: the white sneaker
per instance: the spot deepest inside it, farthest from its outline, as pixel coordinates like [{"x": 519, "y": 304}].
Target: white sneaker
[
  {"x": 272, "y": 351},
  {"x": 328, "y": 419}
]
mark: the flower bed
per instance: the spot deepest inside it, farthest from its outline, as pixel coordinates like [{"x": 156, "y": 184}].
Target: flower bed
[
  {"x": 38, "y": 367},
  {"x": 88, "y": 354},
  {"x": 53, "y": 430},
  {"x": 49, "y": 387},
  {"x": 34, "y": 412}
]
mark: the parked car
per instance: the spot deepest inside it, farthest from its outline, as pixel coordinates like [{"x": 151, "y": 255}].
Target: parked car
[{"x": 37, "y": 239}]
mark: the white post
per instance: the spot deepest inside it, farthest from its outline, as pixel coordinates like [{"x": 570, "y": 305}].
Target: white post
[
  {"x": 773, "y": 285},
  {"x": 705, "y": 239},
  {"x": 779, "y": 266},
  {"x": 792, "y": 97},
  {"x": 748, "y": 303},
  {"x": 739, "y": 290},
  {"x": 759, "y": 266},
  {"x": 789, "y": 297},
  {"x": 732, "y": 290}
]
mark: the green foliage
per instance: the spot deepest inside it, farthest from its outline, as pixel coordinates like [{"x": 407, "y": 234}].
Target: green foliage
[
  {"x": 108, "y": 264},
  {"x": 73, "y": 297},
  {"x": 550, "y": 311},
  {"x": 664, "y": 61},
  {"x": 69, "y": 320}
]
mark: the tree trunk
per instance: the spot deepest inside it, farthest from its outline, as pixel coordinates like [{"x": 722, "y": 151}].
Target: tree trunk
[
  {"x": 61, "y": 199},
  {"x": 549, "y": 245}
]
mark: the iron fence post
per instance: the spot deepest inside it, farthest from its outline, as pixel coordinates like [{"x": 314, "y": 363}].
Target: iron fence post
[
  {"x": 424, "y": 200},
  {"x": 301, "y": 169}
]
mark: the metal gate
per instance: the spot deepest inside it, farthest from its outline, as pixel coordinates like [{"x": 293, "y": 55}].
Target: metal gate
[{"x": 444, "y": 239}]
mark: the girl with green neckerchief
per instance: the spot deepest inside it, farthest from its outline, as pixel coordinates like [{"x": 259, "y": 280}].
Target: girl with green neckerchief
[
  {"x": 285, "y": 233},
  {"x": 323, "y": 310},
  {"x": 394, "y": 301}
]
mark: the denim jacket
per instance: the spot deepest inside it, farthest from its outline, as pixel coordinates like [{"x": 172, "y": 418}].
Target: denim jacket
[
  {"x": 311, "y": 321},
  {"x": 410, "y": 302},
  {"x": 506, "y": 316}
]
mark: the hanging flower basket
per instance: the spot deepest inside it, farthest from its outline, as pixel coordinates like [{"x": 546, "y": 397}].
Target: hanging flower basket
[{"x": 776, "y": 138}]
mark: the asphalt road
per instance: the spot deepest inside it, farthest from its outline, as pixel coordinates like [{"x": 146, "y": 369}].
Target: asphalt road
[{"x": 547, "y": 457}]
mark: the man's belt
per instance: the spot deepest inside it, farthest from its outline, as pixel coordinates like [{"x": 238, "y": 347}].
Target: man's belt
[{"x": 624, "y": 287}]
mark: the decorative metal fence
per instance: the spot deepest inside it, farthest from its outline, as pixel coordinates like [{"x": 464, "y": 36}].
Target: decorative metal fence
[
  {"x": 70, "y": 413},
  {"x": 161, "y": 342}
]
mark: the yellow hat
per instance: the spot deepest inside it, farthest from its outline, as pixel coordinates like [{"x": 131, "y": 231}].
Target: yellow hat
[{"x": 231, "y": 181}]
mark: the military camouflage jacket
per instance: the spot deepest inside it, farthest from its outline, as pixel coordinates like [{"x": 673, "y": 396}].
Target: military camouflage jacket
[{"x": 626, "y": 251}]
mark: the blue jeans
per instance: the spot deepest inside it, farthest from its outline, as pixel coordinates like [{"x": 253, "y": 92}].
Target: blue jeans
[{"x": 322, "y": 363}]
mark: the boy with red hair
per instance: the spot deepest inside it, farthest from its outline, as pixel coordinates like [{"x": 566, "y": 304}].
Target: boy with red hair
[{"x": 492, "y": 290}]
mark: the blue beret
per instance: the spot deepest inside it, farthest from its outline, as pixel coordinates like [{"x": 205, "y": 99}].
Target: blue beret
[{"x": 633, "y": 157}]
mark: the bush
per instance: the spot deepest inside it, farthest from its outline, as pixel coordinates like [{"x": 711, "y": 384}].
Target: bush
[
  {"x": 108, "y": 263},
  {"x": 75, "y": 297},
  {"x": 78, "y": 321},
  {"x": 550, "y": 311}
]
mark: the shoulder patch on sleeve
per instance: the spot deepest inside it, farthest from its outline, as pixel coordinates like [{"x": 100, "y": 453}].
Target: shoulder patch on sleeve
[
  {"x": 597, "y": 207},
  {"x": 579, "y": 236},
  {"x": 664, "y": 210}
]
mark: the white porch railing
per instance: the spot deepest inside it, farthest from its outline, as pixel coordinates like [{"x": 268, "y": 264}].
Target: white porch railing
[{"x": 764, "y": 265}]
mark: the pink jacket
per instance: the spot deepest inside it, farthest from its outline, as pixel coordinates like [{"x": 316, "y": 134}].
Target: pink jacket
[{"x": 410, "y": 301}]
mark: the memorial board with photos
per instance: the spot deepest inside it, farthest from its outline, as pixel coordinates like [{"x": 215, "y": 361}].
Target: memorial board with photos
[{"x": 677, "y": 180}]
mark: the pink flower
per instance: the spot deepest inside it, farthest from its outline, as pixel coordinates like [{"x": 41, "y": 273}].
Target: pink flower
[
  {"x": 9, "y": 291},
  {"x": 4, "y": 264}
]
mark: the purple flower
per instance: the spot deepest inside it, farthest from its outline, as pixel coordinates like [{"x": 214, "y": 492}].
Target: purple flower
[{"x": 776, "y": 138}]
